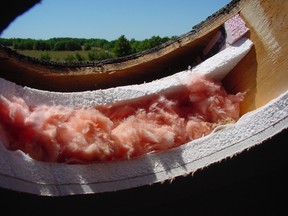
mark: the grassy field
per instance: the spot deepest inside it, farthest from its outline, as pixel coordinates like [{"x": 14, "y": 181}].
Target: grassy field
[{"x": 82, "y": 55}]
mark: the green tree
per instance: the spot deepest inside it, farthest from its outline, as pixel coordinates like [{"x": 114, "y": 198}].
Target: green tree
[
  {"x": 122, "y": 47},
  {"x": 41, "y": 45},
  {"x": 23, "y": 44},
  {"x": 6, "y": 42},
  {"x": 143, "y": 45},
  {"x": 134, "y": 45},
  {"x": 100, "y": 43},
  {"x": 87, "y": 46},
  {"x": 59, "y": 46},
  {"x": 72, "y": 45}
]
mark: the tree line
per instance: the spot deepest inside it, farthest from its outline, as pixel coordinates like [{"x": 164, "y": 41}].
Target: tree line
[{"x": 120, "y": 47}]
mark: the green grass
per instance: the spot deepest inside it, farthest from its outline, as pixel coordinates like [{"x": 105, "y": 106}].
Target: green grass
[{"x": 68, "y": 55}]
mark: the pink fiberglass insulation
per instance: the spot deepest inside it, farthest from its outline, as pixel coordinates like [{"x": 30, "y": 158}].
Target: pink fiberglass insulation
[{"x": 117, "y": 131}]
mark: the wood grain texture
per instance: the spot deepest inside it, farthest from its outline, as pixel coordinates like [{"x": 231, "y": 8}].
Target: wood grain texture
[{"x": 263, "y": 72}]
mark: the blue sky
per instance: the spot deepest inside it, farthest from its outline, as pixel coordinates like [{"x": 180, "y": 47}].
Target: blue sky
[{"x": 109, "y": 19}]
